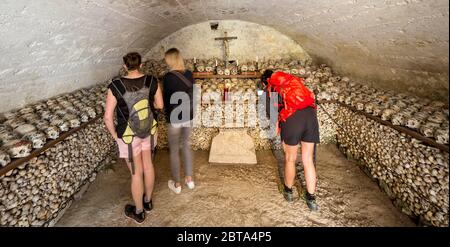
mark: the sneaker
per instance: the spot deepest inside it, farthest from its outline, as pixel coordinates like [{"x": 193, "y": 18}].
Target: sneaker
[
  {"x": 190, "y": 185},
  {"x": 311, "y": 202},
  {"x": 130, "y": 212},
  {"x": 148, "y": 206},
  {"x": 288, "y": 194},
  {"x": 176, "y": 190}
]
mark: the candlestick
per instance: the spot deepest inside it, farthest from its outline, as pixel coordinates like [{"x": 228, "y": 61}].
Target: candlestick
[
  {"x": 216, "y": 62},
  {"x": 256, "y": 58},
  {"x": 195, "y": 60},
  {"x": 237, "y": 62}
]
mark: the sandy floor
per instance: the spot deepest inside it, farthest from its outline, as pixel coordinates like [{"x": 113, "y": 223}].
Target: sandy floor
[{"x": 240, "y": 196}]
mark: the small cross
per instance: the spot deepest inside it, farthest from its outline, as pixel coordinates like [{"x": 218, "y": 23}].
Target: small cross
[{"x": 226, "y": 46}]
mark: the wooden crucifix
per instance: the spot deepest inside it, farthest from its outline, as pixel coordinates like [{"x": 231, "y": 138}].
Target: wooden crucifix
[{"x": 226, "y": 46}]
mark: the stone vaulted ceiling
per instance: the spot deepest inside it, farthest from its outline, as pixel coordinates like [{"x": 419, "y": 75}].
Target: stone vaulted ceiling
[{"x": 53, "y": 46}]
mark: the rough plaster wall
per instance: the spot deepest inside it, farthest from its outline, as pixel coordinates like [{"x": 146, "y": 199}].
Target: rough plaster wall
[
  {"x": 400, "y": 45},
  {"x": 50, "y": 46},
  {"x": 253, "y": 41},
  {"x": 394, "y": 44}
]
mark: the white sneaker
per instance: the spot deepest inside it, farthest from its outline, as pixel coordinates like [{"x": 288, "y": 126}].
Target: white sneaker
[
  {"x": 190, "y": 185},
  {"x": 171, "y": 184}
]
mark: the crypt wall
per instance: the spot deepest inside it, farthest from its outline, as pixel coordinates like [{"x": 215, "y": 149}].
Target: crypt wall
[
  {"x": 253, "y": 40},
  {"x": 54, "y": 48},
  {"x": 50, "y": 48}
]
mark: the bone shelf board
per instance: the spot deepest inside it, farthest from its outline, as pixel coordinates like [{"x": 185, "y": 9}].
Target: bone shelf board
[
  {"x": 20, "y": 161},
  {"x": 401, "y": 129}
]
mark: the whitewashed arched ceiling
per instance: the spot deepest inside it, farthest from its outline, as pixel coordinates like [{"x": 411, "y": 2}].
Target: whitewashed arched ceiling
[{"x": 49, "y": 47}]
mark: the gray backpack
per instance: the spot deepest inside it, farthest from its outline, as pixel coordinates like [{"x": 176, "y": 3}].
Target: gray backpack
[{"x": 141, "y": 121}]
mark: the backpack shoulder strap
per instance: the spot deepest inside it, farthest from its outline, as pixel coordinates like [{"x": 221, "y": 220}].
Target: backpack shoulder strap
[
  {"x": 145, "y": 80},
  {"x": 150, "y": 95},
  {"x": 123, "y": 85},
  {"x": 151, "y": 81},
  {"x": 121, "y": 95},
  {"x": 182, "y": 78}
]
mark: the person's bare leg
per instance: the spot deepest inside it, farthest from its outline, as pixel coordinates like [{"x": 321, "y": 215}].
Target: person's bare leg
[
  {"x": 308, "y": 165},
  {"x": 290, "y": 154},
  {"x": 137, "y": 182},
  {"x": 149, "y": 174}
]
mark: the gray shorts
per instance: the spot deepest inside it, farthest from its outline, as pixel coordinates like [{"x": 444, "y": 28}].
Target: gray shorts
[{"x": 301, "y": 126}]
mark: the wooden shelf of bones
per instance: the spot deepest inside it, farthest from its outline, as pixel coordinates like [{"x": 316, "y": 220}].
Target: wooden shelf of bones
[{"x": 248, "y": 75}]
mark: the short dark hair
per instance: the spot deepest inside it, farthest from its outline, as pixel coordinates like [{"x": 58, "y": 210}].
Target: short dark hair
[
  {"x": 266, "y": 75},
  {"x": 132, "y": 60}
]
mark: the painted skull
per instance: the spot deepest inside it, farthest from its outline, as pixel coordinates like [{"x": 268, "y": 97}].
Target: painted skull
[
  {"x": 84, "y": 117},
  {"x": 18, "y": 148},
  {"x": 14, "y": 122},
  {"x": 7, "y": 135},
  {"x": 4, "y": 158},
  {"x": 51, "y": 132},
  {"x": 200, "y": 68},
  {"x": 399, "y": 118},
  {"x": 244, "y": 68},
  {"x": 437, "y": 117},
  {"x": 369, "y": 107},
  {"x": 413, "y": 122},
  {"x": 26, "y": 110},
  {"x": 387, "y": 114},
  {"x": 24, "y": 129},
  {"x": 36, "y": 138},
  {"x": 73, "y": 120},
  {"x": 61, "y": 124},
  {"x": 441, "y": 136},
  {"x": 91, "y": 112},
  {"x": 429, "y": 129}
]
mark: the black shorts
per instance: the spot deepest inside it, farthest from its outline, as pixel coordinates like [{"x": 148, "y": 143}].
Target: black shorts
[{"x": 301, "y": 126}]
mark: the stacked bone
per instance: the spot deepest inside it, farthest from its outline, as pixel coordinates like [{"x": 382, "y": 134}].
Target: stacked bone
[
  {"x": 211, "y": 66},
  {"x": 35, "y": 193},
  {"x": 32, "y": 126},
  {"x": 320, "y": 79},
  {"x": 239, "y": 112},
  {"x": 413, "y": 175},
  {"x": 261, "y": 138},
  {"x": 425, "y": 117},
  {"x": 217, "y": 66},
  {"x": 157, "y": 68},
  {"x": 162, "y": 141},
  {"x": 325, "y": 113},
  {"x": 244, "y": 90},
  {"x": 428, "y": 118},
  {"x": 202, "y": 138},
  {"x": 249, "y": 66},
  {"x": 291, "y": 66}
]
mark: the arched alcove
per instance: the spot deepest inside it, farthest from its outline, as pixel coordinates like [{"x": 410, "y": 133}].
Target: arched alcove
[{"x": 253, "y": 41}]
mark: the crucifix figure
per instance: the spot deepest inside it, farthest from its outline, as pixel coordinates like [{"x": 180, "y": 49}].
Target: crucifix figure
[{"x": 226, "y": 46}]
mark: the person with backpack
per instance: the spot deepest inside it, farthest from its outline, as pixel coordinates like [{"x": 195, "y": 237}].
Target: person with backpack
[
  {"x": 178, "y": 100},
  {"x": 134, "y": 98},
  {"x": 298, "y": 124}
]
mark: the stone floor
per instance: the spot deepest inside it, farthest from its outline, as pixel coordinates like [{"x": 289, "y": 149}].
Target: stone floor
[{"x": 240, "y": 196}]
